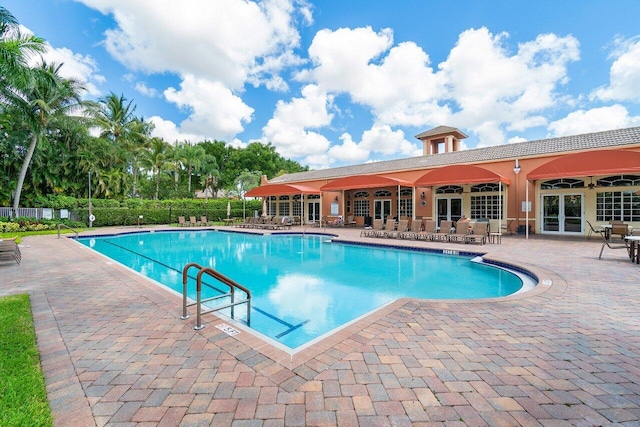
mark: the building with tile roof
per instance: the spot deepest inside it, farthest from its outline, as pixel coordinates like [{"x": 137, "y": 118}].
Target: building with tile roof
[{"x": 549, "y": 186}]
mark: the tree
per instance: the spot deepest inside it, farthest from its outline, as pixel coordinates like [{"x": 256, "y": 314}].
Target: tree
[
  {"x": 193, "y": 157},
  {"x": 45, "y": 97},
  {"x": 115, "y": 118},
  {"x": 155, "y": 159},
  {"x": 210, "y": 176}
]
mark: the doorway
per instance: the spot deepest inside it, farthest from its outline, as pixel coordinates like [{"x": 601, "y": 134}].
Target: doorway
[
  {"x": 448, "y": 209},
  {"x": 562, "y": 214},
  {"x": 313, "y": 212},
  {"x": 381, "y": 209}
]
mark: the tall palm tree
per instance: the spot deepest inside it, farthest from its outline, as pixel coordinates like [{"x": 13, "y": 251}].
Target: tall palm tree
[
  {"x": 155, "y": 159},
  {"x": 44, "y": 98},
  {"x": 115, "y": 117},
  {"x": 193, "y": 157}
]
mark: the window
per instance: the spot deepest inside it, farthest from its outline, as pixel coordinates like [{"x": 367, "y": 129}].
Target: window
[
  {"x": 297, "y": 206},
  {"x": 271, "y": 205},
  {"x": 449, "y": 189},
  {"x": 619, "y": 181},
  {"x": 406, "y": 207},
  {"x": 361, "y": 207},
  {"x": 486, "y": 187},
  {"x": 360, "y": 194},
  {"x": 620, "y": 205},
  {"x": 486, "y": 207},
  {"x": 556, "y": 184},
  {"x": 382, "y": 193}
]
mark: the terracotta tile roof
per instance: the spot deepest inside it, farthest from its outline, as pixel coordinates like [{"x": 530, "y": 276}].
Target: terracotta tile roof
[{"x": 590, "y": 141}]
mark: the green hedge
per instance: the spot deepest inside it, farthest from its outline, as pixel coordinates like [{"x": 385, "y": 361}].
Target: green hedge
[{"x": 167, "y": 214}]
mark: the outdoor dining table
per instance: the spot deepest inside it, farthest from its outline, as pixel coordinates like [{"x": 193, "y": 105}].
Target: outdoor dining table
[{"x": 634, "y": 248}]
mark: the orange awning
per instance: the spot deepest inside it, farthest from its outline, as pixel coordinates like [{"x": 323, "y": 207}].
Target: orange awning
[
  {"x": 280, "y": 190},
  {"x": 589, "y": 163},
  {"x": 364, "y": 181},
  {"x": 459, "y": 174}
]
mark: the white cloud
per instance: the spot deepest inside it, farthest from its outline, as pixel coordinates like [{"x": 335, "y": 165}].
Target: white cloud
[
  {"x": 624, "y": 74},
  {"x": 288, "y": 129},
  {"x": 594, "y": 120},
  {"x": 74, "y": 65},
  {"x": 168, "y": 131},
  {"x": 146, "y": 90},
  {"x": 493, "y": 89},
  {"x": 213, "y": 110},
  {"x": 228, "y": 41}
]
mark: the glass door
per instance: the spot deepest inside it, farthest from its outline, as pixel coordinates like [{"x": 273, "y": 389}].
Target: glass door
[
  {"x": 313, "y": 212},
  {"x": 381, "y": 209},
  {"x": 448, "y": 209},
  {"x": 562, "y": 214}
]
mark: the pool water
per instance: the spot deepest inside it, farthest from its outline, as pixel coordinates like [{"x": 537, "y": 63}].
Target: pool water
[{"x": 303, "y": 286}]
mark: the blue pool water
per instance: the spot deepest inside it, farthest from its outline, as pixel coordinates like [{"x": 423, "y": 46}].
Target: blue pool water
[{"x": 304, "y": 286}]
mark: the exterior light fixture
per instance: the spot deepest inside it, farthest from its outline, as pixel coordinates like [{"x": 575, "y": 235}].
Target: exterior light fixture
[
  {"x": 516, "y": 168},
  {"x": 422, "y": 195}
]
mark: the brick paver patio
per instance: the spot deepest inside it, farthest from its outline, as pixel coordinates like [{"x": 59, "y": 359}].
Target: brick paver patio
[{"x": 114, "y": 351}]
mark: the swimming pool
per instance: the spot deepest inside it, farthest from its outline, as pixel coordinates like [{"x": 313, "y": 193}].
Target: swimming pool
[{"x": 304, "y": 286}]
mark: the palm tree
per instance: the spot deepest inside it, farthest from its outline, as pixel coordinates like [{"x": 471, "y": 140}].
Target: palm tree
[
  {"x": 15, "y": 49},
  {"x": 155, "y": 159},
  {"x": 193, "y": 157},
  {"x": 115, "y": 118},
  {"x": 45, "y": 97}
]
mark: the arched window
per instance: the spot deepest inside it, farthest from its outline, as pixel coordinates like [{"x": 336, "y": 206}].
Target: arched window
[
  {"x": 449, "y": 189},
  {"x": 557, "y": 184},
  {"x": 382, "y": 193}
]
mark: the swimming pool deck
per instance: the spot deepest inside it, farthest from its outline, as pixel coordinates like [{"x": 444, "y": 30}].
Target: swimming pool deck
[{"x": 114, "y": 351}]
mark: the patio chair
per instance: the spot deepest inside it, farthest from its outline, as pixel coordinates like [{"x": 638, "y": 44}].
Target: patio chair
[
  {"x": 350, "y": 222},
  {"x": 182, "y": 222},
  {"x": 428, "y": 231},
  {"x": 598, "y": 229},
  {"x": 414, "y": 229},
  {"x": 375, "y": 228},
  {"x": 203, "y": 221},
  {"x": 389, "y": 225},
  {"x": 445, "y": 230},
  {"x": 478, "y": 233},
  {"x": 192, "y": 221},
  {"x": 616, "y": 239},
  {"x": 462, "y": 230},
  {"x": 403, "y": 227},
  {"x": 10, "y": 249}
]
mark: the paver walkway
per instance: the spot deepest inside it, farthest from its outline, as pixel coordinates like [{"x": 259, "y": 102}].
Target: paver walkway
[{"x": 114, "y": 351}]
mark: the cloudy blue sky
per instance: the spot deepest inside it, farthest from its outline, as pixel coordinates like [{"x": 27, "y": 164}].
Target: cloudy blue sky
[{"x": 338, "y": 82}]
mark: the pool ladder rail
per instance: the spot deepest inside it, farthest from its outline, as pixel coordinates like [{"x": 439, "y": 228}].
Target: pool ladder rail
[{"x": 199, "y": 301}]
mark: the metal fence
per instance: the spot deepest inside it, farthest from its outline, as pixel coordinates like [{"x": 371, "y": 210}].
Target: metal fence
[{"x": 40, "y": 213}]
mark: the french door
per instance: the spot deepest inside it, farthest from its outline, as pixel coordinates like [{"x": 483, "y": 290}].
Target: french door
[
  {"x": 313, "y": 212},
  {"x": 562, "y": 214},
  {"x": 448, "y": 209},
  {"x": 381, "y": 209}
]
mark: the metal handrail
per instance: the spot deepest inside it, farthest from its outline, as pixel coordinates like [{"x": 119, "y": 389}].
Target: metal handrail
[
  {"x": 66, "y": 226},
  {"x": 199, "y": 301}
]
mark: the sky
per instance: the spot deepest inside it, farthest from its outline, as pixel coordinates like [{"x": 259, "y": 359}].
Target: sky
[{"x": 340, "y": 82}]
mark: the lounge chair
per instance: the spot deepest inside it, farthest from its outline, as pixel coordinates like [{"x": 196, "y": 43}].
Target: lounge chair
[
  {"x": 203, "y": 221},
  {"x": 192, "y": 221},
  {"x": 403, "y": 227},
  {"x": 389, "y": 225},
  {"x": 445, "y": 230},
  {"x": 462, "y": 230},
  {"x": 429, "y": 229},
  {"x": 182, "y": 222},
  {"x": 10, "y": 249},
  {"x": 376, "y": 227},
  {"x": 414, "y": 228},
  {"x": 350, "y": 221},
  {"x": 336, "y": 222},
  {"x": 616, "y": 239},
  {"x": 478, "y": 233}
]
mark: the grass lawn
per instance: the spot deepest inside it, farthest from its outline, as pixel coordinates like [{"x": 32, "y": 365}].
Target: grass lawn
[{"x": 23, "y": 397}]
